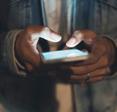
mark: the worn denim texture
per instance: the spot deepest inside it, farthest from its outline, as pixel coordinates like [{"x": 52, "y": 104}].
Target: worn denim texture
[{"x": 97, "y": 15}]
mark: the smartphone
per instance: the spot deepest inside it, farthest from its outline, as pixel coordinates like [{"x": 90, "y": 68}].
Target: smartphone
[{"x": 60, "y": 56}]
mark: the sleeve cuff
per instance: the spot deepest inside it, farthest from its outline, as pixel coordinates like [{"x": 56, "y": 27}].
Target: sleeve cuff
[{"x": 9, "y": 53}]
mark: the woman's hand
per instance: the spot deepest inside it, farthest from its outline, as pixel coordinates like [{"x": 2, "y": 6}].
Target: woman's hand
[
  {"x": 26, "y": 45},
  {"x": 102, "y": 56}
]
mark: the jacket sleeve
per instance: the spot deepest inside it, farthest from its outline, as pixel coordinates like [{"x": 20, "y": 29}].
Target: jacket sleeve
[{"x": 8, "y": 58}]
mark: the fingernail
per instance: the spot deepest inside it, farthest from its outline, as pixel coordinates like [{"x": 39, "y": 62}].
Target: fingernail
[
  {"x": 55, "y": 37},
  {"x": 72, "y": 42}
]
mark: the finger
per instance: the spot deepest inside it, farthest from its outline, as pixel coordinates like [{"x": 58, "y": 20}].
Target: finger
[
  {"x": 41, "y": 32},
  {"x": 96, "y": 73},
  {"x": 96, "y": 45},
  {"x": 76, "y": 38},
  {"x": 46, "y": 34},
  {"x": 87, "y": 36},
  {"x": 31, "y": 57},
  {"x": 73, "y": 42},
  {"x": 83, "y": 80},
  {"x": 35, "y": 60},
  {"x": 102, "y": 62},
  {"x": 95, "y": 79},
  {"x": 99, "y": 75},
  {"x": 95, "y": 54},
  {"x": 103, "y": 71}
]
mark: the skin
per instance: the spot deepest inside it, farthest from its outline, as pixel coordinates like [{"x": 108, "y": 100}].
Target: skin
[
  {"x": 95, "y": 68},
  {"x": 102, "y": 56},
  {"x": 26, "y": 49}
]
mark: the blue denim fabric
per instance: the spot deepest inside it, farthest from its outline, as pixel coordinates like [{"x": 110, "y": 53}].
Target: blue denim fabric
[
  {"x": 23, "y": 13},
  {"x": 31, "y": 93},
  {"x": 100, "y": 16},
  {"x": 98, "y": 97}
]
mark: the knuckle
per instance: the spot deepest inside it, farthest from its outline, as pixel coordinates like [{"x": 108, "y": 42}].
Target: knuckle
[{"x": 76, "y": 32}]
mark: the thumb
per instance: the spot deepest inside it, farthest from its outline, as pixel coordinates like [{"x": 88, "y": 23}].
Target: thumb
[
  {"x": 47, "y": 34},
  {"x": 73, "y": 41},
  {"x": 87, "y": 36}
]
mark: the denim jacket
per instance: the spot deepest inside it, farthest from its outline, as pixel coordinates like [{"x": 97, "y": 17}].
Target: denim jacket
[{"x": 97, "y": 15}]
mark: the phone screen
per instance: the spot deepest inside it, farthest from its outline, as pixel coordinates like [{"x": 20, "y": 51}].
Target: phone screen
[{"x": 64, "y": 55}]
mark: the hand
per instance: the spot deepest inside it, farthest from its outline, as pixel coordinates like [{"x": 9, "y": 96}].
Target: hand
[
  {"x": 26, "y": 45},
  {"x": 102, "y": 56}
]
